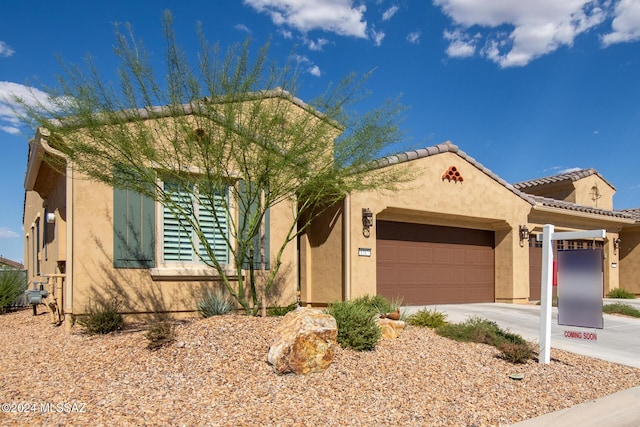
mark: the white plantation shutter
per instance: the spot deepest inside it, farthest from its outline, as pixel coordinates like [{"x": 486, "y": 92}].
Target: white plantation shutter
[
  {"x": 215, "y": 232},
  {"x": 179, "y": 235}
]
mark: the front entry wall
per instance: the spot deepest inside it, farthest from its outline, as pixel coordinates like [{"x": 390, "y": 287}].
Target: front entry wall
[{"x": 426, "y": 264}]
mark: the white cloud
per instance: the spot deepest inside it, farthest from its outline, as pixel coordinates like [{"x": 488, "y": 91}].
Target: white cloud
[
  {"x": 414, "y": 37},
  {"x": 569, "y": 170},
  {"x": 626, "y": 23},
  {"x": 242, "y": 27},
  {"x": 316, "y": 45},
  {"x": 6, "y": 50},
  {"x": 6, "y": 233},
  {"x": 388, "y": 14},
  {"x": 460, "y": 44},
  {"x": 286, "y": 33},
  {"x": 336, "y": 16},
  {"x": 534, "y": 28},
  {"x": 314, "y": 71},
  {"x": 312, "y": 68},
  {"x": 377, "y": 37},
  {"x": 9, "y": 121}
]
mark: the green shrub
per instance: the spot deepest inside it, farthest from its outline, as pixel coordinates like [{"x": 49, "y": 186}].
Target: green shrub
[
  {"x": 621, "y": 293},
  {"x": 281, "y": 311},
  {"x": 357, "y": 328},
  {"x": 13, "y": 283},
  {"x": 160, "y": 334},
  {"x": 516, "y": 352},
  {"x": 427, "y": 318},
  {"x": 214, "y": 304},
  {"x": 102, "y": 318},
  {"x": 476, "y": 329},
  {"x": 620, "y": 308}
]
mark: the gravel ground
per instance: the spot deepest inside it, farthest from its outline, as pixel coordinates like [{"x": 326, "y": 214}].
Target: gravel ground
[{"x": 216, "y": 374}]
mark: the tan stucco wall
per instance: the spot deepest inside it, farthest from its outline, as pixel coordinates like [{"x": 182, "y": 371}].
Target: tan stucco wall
[
  {"x": 629, "y": 266},
  {"x": 321, "y": 259},
  {"x": 95, "y": 278},
  {"x": 478, "y": 202},
  {"x": 584, "y": 193}
]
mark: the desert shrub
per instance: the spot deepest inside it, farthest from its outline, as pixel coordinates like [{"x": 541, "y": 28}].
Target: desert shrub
[
  {"x": 476, "y": 329},
  {"x": 357, "y": 328},
  {"x": 160, "y": 334},
  {"x": 427, "y": 318},
  {"x": 214, "y": 304},
  {"x": 382, "y": 305},
  {"x": 621, "y": 293},
  {"x": 516, "y": 352},
  {"x": 13, "y": 283},
  {"x": 281, "y": 311},
  {"x": 620, "y": 308},
  {"x": 102, "y": 318}
]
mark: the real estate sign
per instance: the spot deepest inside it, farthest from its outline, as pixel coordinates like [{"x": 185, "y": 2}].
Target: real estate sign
[{"x": 580, "y": 287}]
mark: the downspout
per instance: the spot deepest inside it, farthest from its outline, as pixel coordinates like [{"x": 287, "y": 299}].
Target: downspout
[
  {"x": 68, "y": 280},
  {"x": 346, "y": 247}
]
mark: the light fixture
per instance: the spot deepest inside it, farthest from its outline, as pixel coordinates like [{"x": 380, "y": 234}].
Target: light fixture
[
  {"x": 523, "y": 232},
  {"x": 367, "y": 221},
  {"x": 616, "y": 245}
]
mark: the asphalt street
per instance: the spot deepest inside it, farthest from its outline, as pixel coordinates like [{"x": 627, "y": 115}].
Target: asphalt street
[{"x": 618, "y": 341}]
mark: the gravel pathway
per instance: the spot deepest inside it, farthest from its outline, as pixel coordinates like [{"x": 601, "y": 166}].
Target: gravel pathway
[{"x": 216, "y": 374}]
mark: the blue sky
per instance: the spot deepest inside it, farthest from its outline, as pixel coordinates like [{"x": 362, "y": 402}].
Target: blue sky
[{"x": 528, "y": 88}]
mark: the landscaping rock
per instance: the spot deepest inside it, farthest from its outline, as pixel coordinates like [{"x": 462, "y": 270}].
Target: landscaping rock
[
  {"x": 305, "y": 342},
  {"x": 391, "y": 329}
]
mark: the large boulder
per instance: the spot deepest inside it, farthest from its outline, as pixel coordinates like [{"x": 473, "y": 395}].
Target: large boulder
[
  {"x": 390, "y": 328},
  {"x": 304, "y": 342}
]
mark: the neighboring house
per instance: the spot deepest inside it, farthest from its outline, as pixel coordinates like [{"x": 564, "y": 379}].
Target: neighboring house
[
  {"x": 456, "y": 233},
  {"x": 7, "y": 264}
]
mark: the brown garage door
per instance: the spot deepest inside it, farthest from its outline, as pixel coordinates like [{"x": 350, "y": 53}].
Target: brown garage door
[{"x": 426, "y": 264}]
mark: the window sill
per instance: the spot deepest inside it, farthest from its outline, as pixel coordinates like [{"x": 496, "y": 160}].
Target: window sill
[{"x": 189, "y": 273}]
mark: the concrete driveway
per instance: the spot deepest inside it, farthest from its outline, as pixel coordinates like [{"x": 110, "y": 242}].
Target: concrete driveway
[{"x": 618, "y": 342}]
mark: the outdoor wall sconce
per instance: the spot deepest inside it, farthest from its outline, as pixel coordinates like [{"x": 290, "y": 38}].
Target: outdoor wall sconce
[
  {"x": 523, "y": 232},
  {"x": 367, "y": 221},
  {"x": 616, "y": 245}
]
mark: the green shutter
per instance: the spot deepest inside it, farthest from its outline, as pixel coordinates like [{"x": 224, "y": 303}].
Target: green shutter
[{"x": 133, "y": 229}]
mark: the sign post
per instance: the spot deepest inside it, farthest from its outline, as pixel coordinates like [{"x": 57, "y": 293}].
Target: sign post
[{"x": 548, "y": 236}]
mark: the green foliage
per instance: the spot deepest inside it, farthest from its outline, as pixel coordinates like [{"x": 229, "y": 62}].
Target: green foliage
[
  {"x": 160, "y": 334},
  {"x": 427, "y": 318},
  {"x": 281, "y": 311},
  {"x": 621, "y": 293},
  {"x": 357, "y": 328},
  {"x": 476, "y": 329},
  {"x": 13, "y": 283},
  {"x": 516, "y": 352},
  {"x": 620, "y": 308},
  {"x": 214, "y": 304},
  {"x": 102, "y": 317}
]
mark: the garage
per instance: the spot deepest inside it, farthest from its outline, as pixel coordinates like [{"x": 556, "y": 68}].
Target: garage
[{"x": 428, "y": 264}]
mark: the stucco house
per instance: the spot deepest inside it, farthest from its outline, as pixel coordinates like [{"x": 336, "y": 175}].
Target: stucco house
[{"x": 456, "y": 233}]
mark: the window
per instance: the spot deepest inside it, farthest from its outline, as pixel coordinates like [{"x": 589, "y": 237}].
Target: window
[{"x": 181, "y": 242}]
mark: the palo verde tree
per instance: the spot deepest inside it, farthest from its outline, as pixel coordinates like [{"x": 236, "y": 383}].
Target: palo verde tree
[{"x": 218, "y": 143}]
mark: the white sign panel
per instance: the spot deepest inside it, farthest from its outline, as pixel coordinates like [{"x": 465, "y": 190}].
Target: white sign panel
[{"x": 580, "y": 285}]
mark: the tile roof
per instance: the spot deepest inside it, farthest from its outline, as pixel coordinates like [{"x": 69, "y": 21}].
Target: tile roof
[
  {"x": 633, "y": 213},
  {"x": 448, "y": 147},
  {"x": 561, "y": 204},
  {"x": 568, "y": 176}
]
